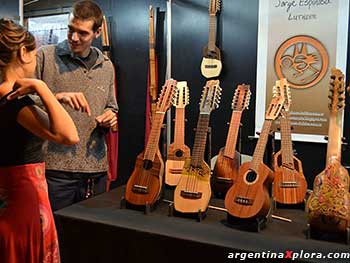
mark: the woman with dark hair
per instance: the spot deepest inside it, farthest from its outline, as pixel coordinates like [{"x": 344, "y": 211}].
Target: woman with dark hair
[{"x": 27, "y": 229}]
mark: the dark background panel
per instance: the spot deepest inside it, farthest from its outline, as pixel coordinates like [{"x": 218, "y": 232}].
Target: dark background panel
[
  {"x": 237, "y": 39},
  {"x": 9, "y": 9}
]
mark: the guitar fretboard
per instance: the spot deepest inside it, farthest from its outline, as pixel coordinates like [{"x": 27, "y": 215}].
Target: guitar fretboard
[
  {"x": 179, "y": 136},
  {"x": 260, "y": 146},
  {"x": 231, "y": 140},
  {"x": 153, "y": 139},
  {"x": 286, "y": 140},
  {"x": 212, "y": 32},
  {"x": 200, "y": 140},
  {"x": 334, "y": 137}
]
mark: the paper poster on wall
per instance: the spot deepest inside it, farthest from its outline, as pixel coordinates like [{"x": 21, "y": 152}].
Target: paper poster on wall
[{"x": 301, "y": 40}]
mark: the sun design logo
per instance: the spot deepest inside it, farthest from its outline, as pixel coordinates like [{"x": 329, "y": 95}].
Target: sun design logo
[{"x": 302, "y": 60}]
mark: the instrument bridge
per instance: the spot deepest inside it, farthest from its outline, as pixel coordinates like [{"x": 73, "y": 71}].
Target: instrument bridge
[
  {"x": 140, "y": 189},
  {"x": 191, "y": 194}
]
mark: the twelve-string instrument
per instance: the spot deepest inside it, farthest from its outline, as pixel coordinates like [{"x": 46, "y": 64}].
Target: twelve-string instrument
[
  {"x": 228, "y": 161},
  {"x": 211, "y": 63},
  {"x": 289, "y": 185},
  {"x": 144, "y": 184},
  {"x": 192, "y": 194},
  {"x": 178, "y": 151},
  {"x": 248, "y": 198},
  {"x": 328, "y": 205}
]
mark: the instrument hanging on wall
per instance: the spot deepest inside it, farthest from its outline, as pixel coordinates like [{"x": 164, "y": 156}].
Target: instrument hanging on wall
[
  {"x": 152, "y": 63},
  {"x": 249, "y": 198},
  {"x": 144, "y": 185},
  {"x": 289, "y": 185},
  {"x": 192, "y": 194},
  {"x": 211, "y": 63},
  {"x": 328, "y": 205},
  {"x": 178, "y": 151},
  {"x": 228, "y": 160}
]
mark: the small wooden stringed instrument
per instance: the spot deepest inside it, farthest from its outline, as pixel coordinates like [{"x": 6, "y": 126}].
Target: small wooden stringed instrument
[
  {"x": 192, "y": 194},
  {"x": 248, "y": 198},
  {"x": 289, "y": 185},
  {"x": 329, "y": 204},
  {"x": 211, "y": 63},
  {"x": 228, "y": 161},
  {"x": 144, "y": 185},
  {"x": 178, "y": 151}
]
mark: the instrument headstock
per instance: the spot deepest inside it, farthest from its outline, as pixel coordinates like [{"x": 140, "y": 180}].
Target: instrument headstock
[
  {"x": 336, "y": 90},
  {"x": 210, "y": 96},
  {"x": 182, "y": 98},
  {"x": 241, "y": 98},
  {"x": 214, "y": 7},
  {"x": 276, "y": 105},
  {"x": 167, "y": 95},
  {"x": 282, "y": 89}
]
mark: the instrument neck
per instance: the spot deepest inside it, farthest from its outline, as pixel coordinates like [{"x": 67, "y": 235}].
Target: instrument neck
[
  {"x": 179, "y": 136},
  {"x": 212, "y": 32},
  {"x": 200, "y": 140},
  {"x": 231, "y": 140},
  {"x": 334, "y": 137},
  {"x": 153, "y": 139},
  {"x": 286, "y": 140},
  {"x": 260, "y": 146}
]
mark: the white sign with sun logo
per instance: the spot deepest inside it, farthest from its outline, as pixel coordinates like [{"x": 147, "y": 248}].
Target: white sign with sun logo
[{"x": 301, "y": 40}]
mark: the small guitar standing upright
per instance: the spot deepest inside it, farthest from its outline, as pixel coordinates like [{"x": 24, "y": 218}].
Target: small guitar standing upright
[
  {"x": 178, "y": 151},
  {"x": 144, "y": 185},
  {"x": 192, "y": 194},
  {"x": 289, "y": 185},
  {"x": 228, "y": 161},
  {"x": 211, "y": 63},
  {"x": 329, "y": 204},
  {"x": 249, "y": 198}
]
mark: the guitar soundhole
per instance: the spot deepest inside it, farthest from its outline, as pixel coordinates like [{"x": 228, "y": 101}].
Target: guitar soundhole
[
  {"x": 179, "y": 153},
  {"x": 250, "y": 177},
  {"x": 147, "y": 164}
]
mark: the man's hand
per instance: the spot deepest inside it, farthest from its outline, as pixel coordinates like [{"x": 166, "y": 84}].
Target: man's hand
[
  {"x": 76, "y": 100},
  {"x": 107, "y": 119}
]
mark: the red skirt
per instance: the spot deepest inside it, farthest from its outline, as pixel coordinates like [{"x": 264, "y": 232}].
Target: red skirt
[{"x": 27, "y": 229}]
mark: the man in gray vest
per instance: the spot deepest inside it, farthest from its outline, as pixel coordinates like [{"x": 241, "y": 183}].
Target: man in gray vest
[{"x": 82, "y": 79}]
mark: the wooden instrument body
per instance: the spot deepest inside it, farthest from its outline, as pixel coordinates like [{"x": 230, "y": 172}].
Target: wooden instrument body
[
  {"x": 289, "y": 185},
  {"x": 177, "y": 155},
  {"x": 144, "y": 185},
  {"x": 225, "y": 172},
  {"x": 192, "y": 193},
  {"x": 249, "y": 200},
  {"x": 329, "y": 204},
  {"x": 211, "y": 65}
]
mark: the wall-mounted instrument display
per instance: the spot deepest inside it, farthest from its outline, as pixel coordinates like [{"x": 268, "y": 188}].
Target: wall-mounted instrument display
[
  {"x": 144, "y": 185},
  {"x": 289, "y": 185},
  {"x": 178, "y": 151},
  {"x": 192, "y": 194},
  {"x": 228, "y": 161},
  {"x": 211, "y": 63},
  {"x": 328, "y": 205},
  {"x": 249, "y": 198}
]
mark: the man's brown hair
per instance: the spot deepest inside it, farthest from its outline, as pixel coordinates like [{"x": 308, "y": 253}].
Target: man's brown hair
[{"x": 88, "y": 10}]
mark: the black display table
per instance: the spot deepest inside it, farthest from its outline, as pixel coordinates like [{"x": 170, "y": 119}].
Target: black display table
[{"x": 97, "y": 230}]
